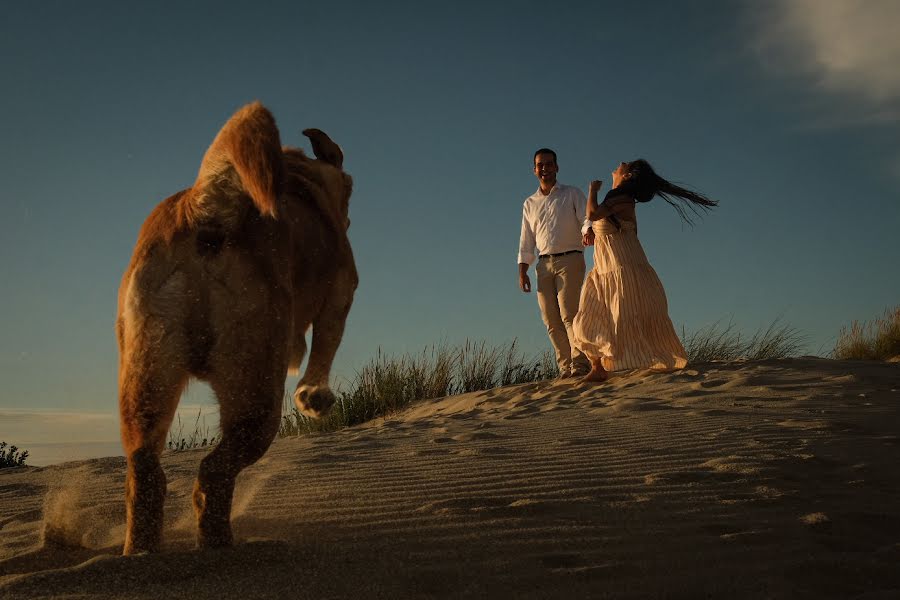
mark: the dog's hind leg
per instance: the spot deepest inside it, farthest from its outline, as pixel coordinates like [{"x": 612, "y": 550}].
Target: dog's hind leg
[
  {"x": 249, "y": 410},
  {"x": 149, "y": 390}
]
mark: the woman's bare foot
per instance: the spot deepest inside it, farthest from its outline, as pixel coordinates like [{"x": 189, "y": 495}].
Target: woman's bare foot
[{"x": 597, "y": 374}]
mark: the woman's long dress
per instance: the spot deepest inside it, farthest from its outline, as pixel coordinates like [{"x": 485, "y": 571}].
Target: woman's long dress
[{"x": 623, "y": 316}]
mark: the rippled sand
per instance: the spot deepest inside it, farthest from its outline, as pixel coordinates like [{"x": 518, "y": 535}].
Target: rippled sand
[{"x": 774, "y": 479}]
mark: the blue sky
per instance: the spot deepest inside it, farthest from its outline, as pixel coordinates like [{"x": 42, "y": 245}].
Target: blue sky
[{"x": 788, "y": 112}]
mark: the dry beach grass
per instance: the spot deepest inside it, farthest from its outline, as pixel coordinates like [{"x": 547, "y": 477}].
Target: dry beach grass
[
  {"x": 878, "y": 339},
  {"x": 744, "y": 479}
]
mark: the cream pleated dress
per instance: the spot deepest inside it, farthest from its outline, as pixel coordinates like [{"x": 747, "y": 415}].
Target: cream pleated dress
[{"x": 623, "y": 316}]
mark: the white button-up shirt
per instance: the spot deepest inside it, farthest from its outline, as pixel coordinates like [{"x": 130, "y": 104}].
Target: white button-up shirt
[{"x": 553, "y": 223}]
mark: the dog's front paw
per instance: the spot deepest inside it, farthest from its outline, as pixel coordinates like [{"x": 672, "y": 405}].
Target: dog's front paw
[{"x": 313, "y": 400}]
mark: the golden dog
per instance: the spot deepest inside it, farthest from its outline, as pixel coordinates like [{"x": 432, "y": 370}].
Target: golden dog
[{"x": 225, "y": 280}]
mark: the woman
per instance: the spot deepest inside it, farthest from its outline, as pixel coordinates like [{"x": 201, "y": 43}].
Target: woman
[{"x": 623, "y": 319}]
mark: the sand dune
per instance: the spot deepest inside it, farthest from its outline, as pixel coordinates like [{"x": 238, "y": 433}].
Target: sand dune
[{"x": 773, "y": 479}]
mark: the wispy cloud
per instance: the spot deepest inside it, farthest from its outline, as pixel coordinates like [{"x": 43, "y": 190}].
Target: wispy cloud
[
  {"x": 27, "y": 428},
  {"x": 848, "y": 48},
  {"x": 45, "y": 426}
]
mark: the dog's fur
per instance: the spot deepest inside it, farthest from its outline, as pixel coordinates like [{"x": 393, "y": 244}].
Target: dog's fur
[{"x": 226, "y": 278}]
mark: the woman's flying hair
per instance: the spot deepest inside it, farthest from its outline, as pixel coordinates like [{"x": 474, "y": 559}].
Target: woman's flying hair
[{"x": 645, "y": 184}]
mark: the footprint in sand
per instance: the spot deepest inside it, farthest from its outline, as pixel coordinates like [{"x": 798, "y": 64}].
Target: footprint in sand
[
  {"x": 531, "y": 506},
  {"x": 528, "y": 388},
  {"x": 476, "y": 435},
  {"x": 718, "y": 469},
  {"x": 711, "y": 383},
  {"x": 522, "y": 411},
  {"x": 693, "y": 391},
  {"x": 324, "y": 458},
  {"x": 441, "y": 440},
  {"x": 816, "y": 519},
  {"x": 674, "y": 478},
  {"x": 733, "y": 465},
  {"x": 626, "y": 385},
  {"x": 569, "y": 509},
  {"x": 684, "y": 375},
  {"x": 465, "y": 416},
  {"x": 769, "y": 493},
  {"x": 489, "y": 394},
  {"x": 585, "y": 441},
  {"x": 795, "y": 424},
  {"x": 712, "y": 412}
]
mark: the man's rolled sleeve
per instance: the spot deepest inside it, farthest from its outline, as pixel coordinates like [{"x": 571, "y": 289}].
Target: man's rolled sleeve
[
  {"x": 586, "y": 226},
  {"x": 526, "y": 242},
  {"x": 581, "y": 211}
]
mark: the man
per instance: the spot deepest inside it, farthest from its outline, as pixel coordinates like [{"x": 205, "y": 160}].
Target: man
[{"x": 554, "y": 222}]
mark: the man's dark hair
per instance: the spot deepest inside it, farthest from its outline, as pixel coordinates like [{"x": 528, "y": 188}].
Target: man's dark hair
[{"x": 544, "y": 151}]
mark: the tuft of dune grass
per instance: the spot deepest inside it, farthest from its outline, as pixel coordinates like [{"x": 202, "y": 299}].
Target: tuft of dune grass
[
  {"x": 200, "y": 437},
  {"x": 878, "y": 339},
  {"x": 387, "y": 385},
  {"x": 11, "y": 456},
  {"x": 719, "y": 342}
]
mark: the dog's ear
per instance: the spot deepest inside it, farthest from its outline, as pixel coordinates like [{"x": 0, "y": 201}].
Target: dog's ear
[{"x": 324, "y": 148}]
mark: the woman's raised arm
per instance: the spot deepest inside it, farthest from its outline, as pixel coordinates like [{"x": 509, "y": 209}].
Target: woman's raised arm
[{"x": 616, "y": 200}]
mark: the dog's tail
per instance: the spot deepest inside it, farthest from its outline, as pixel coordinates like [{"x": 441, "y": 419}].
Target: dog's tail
[{"x": 245, "y": 159}]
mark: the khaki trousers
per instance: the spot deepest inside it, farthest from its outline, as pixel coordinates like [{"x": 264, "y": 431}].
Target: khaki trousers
[{"x": 559, "y": 282}]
